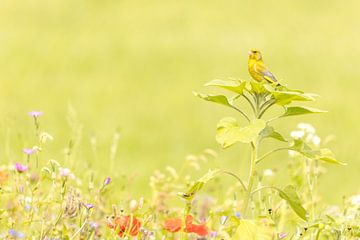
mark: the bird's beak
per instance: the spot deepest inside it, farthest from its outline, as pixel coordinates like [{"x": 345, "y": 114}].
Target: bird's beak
[{"x": 249, "y": 52}]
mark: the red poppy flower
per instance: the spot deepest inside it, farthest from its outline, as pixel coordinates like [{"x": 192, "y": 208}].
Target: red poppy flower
[
  {"x": 199, "y": 229},
  {"x": 175, "y": 225},
  {"x": 125, "y": 225}
]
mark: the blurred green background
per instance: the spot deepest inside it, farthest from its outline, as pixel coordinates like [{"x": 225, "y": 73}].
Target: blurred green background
[{"x": 132, "y": 66}]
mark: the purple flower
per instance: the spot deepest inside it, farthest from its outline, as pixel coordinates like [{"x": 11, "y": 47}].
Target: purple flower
[
  {"x": 213, "y": 234},
  {"x": 21, "y": 168},
  {"x": 282, "y": 235},
  {"x": 35, "y": 114},
  {"x": 29, "y": 151},
  {"x": 237, "y": 214},
  {"x": 107, "y": 181},
  {"x": 88, "y": 206},
  {"x": 16, "y": 234}
]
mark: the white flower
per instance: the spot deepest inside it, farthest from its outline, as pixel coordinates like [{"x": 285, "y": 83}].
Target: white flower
[
  {"x": 316, "y": 140},
  {"x": 297, "y": 134},
  {"x": 292, "y": 153},
  {"x": 66, "y": 173},
  {"x": 268, "y": 173},
  {"x": 306, "y": 127},
  {"x": 355, "y": 200},
  {"x": 133, "y": 205}
]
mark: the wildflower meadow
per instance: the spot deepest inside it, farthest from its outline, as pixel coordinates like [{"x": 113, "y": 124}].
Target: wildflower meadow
[{"x": 179, "y": 120}]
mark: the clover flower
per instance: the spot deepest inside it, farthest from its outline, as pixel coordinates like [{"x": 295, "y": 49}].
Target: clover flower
[{"x": 21, "y": 168}]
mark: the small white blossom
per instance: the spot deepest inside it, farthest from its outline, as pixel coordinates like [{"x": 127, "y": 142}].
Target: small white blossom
[
  {"x": 66, "y": 173},
  {"x": 306, "y": 127},
  {"x": 268, "y": 173},
  {"x": 297, "y": 134},
  {"x": 316, "y": 140},
  {"x": 355, "y": 200},
  {"x": 293, "y": 153},
  {"x": 133, "y": 205}
]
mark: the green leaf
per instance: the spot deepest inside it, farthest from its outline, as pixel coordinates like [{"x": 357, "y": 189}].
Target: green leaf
[
  {"x": 324, "y": 154},
  {"x": 301, "y": 147},
  {"x": 197, "y": 186},
  {"x": 298, "y": 110},
  {"x": 258, "y": 87},
  {"x": 253, "y": 230},
  {"x": 269, "y": 132},
  {"x": 286, "y": 97},
  {"x": 290, "y": 195},
  {"x": 327, "y": 155},
  {"x": 228, "y": 131},
  {"x": 234, "y": 86},
  {"x": 220, "y": 99}
]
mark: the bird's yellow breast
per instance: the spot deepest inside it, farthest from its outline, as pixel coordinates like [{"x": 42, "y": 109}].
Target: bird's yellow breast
[{"x": 253, "y": 71}]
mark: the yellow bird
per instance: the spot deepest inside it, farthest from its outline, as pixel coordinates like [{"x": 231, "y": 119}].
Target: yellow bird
[{"x": 257, "y": 68}]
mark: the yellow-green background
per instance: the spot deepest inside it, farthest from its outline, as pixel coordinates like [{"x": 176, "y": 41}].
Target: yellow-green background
[{"x": 133, "y": 65}]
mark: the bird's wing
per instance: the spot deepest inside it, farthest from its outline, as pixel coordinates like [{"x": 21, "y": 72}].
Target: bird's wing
[{"x": 262, "y": 69}]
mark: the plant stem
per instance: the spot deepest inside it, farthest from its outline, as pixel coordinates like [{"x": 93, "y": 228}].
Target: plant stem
[
  {"x": 250, "y": 102},
  {"x": 266, "y": 108},
  {"x": 251, "y": 178},
  {"x": 241, "y": 112},
  {"x": 269, "y": 153},
  {"x": 237, "y": 177}
]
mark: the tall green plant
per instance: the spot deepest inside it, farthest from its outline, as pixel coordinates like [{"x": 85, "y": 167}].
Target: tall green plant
[{"x": 261, "y": 97}]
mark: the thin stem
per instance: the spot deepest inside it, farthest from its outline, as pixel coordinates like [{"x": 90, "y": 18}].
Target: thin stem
[
  {"x": 270, "y": 152},
  {"x": 238, "y": 178},
  {"x": 251, "y": 178},
  {"x": 80, "y": 229},
  {"x": 266, "y": 108},
  {"x": 241, "y": 112},
  {"x": 250, "y": 102},
  {"x": 265, "y": 187}
]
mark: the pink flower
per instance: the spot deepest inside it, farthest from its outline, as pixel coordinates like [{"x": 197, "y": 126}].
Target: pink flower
[
  {"x": 29, "y": 151},
  {"x": 21, "y": 168},
  {"x": 35, "y": 114}
]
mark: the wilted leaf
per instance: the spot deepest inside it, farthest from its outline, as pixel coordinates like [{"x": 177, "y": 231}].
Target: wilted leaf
[
  {"x": 292, "y": 111},
  {"x": 221, "y": 99},
  {"x": 228, "y": 131},
  {"x": 269, "y": 132},
  {"x": 290, "y": 195},
  {"x": 234, "y": 86}
]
